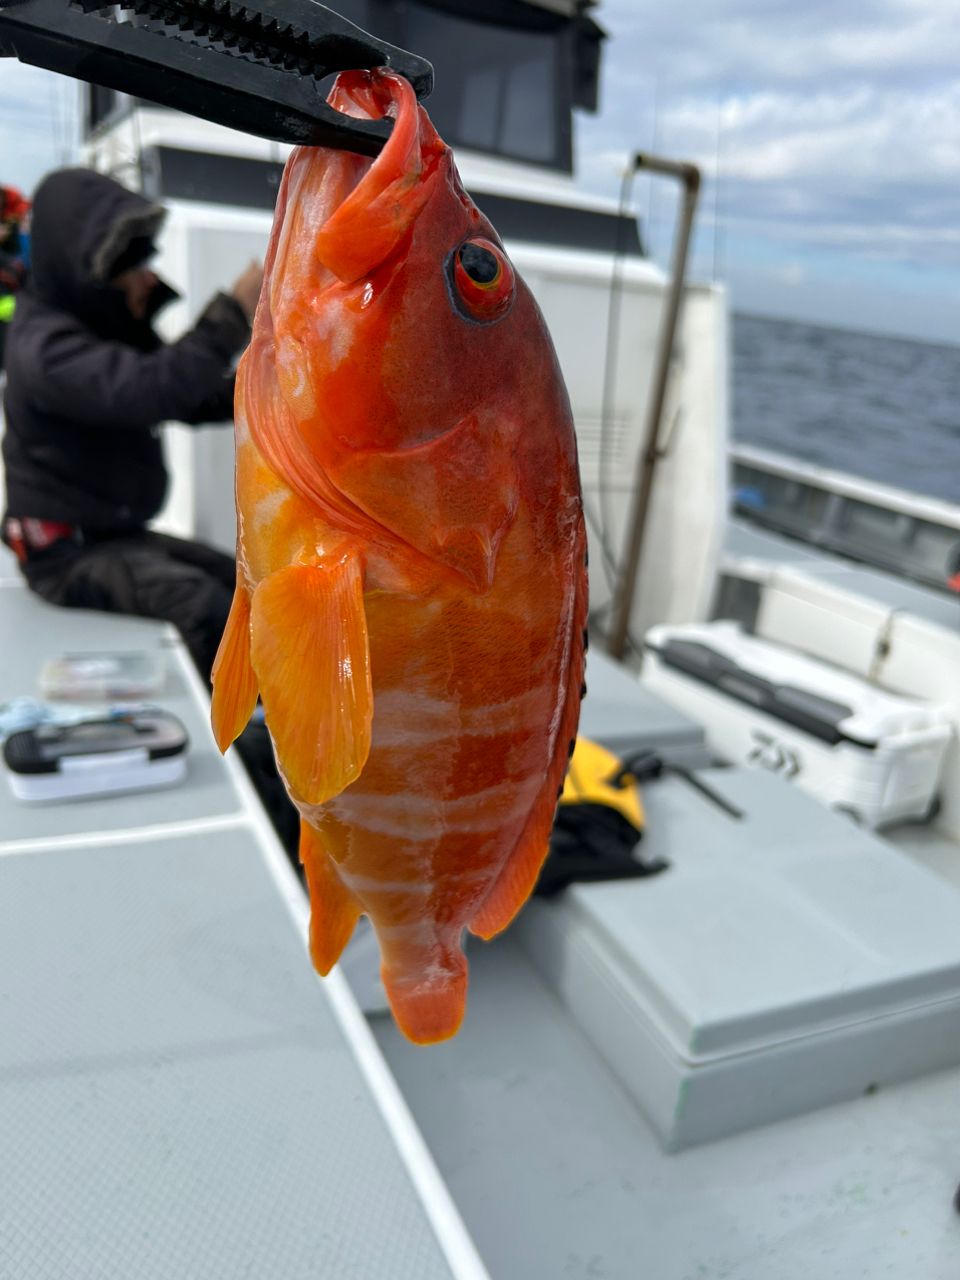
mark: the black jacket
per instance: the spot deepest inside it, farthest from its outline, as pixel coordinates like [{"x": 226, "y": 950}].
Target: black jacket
[{"x": 88, "y": 385}]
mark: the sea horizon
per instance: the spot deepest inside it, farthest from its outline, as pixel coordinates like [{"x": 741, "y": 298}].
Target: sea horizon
[
  {"x": 872, "y": 405},
  {"x": 751, "y": 313}
]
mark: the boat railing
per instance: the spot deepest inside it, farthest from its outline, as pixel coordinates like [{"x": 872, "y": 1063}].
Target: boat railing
[{"x": 892, "y": 529}]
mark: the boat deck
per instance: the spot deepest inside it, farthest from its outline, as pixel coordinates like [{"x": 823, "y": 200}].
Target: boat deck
[
  {"x": 179, "y": 1095},
  {"x": 557, "y": 1173}
]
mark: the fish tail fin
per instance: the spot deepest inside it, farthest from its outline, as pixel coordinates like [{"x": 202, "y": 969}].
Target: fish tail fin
[
  {"x": 334, "y": 911},
  {"x": 429, "y": 1009},
  {"x": 234, "y": 683},
  {"x": 519, "y": 875}
]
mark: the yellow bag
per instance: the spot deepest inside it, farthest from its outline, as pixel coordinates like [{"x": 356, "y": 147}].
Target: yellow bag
[
  {"x": 590, "y": 780},
  {"x": 598, "y": 825}
]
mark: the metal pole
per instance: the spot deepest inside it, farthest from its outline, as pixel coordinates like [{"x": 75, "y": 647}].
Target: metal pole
[{"x": 689, "y": 175}]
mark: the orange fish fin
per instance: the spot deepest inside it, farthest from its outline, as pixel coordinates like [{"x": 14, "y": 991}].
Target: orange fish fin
[
  {"x": 334, "y": 910},
  {"x": 234, "y": 683},
  {"x": 312, "y": 659},
  {"x": 429, "y": 1010},
  {"x": 517, "y": 879},
  {"x": 519, "y": 875}
]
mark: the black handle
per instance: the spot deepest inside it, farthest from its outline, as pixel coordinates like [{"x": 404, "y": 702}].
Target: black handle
[{"x": 256, "y": 68}]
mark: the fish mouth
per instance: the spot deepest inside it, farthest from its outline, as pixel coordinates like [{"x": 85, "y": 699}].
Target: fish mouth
[{"x": 376, "y": 202}]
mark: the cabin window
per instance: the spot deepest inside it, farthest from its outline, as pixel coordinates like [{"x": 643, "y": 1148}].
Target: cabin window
[
  {"x": 503, "y": 86},
  {"x": 506, "y": 86},
  {"x": 505, "y": 96}
]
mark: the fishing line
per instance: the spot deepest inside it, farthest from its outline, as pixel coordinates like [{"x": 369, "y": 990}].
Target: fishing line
[
  {"x": 138, "y": 145},
  {"x": 611, "y": 352},
  {"x": 717, "y": 230},
  {"x": 606, "y": 555}
]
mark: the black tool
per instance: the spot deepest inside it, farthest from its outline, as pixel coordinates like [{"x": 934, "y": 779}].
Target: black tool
[{"x": 252, "y": 66}]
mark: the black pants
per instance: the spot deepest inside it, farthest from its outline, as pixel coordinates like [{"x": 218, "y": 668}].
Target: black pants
[
  {"x": 152, "y": 575},
  {"x": 148, "y": 575}
]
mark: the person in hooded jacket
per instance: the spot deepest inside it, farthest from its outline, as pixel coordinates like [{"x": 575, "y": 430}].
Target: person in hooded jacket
[{"x": 89, "y": 383}]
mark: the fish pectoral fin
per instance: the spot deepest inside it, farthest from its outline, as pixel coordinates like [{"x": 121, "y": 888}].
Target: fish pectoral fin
[
  {"x": 234, "y": 683},
  {"x": 311, "y": 657},
  {"x": 334, "y": 910}
]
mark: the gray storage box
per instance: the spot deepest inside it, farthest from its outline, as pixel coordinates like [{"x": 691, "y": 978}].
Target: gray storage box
[
  {"x": 785, "y": 960},
  {"x": 624, "y": 716}
]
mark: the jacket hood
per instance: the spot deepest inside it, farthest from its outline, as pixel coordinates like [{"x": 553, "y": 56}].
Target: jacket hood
[{"x": 83, "y": 223}]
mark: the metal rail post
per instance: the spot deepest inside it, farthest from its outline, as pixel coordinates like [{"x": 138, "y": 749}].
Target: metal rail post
[{"x": 689, "y": 175}]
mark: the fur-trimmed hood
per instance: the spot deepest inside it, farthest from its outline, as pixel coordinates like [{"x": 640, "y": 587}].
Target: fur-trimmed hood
[{"x": 83, "y": 222}]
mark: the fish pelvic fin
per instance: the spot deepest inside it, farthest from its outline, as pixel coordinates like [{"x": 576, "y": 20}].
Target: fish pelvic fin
[
  {"x": 518, "y": 877},
  {"x": 234, "y": 683},
  {"x": 334, "y": 910},
  {"x": 311, "y": 656}
]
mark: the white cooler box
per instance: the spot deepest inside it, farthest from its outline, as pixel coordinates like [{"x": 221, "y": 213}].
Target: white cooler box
[{"x": 856, "y": 748}]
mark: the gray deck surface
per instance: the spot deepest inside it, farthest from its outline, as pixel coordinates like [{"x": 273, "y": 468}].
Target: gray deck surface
[
  {"x": 625, "y": 716},
  {"x": 176, "y": 1097},
  {"x": 182, "y": 1104},
  {"x": 557, "y": 1173},
  {"x": 179, "y": 1097}
]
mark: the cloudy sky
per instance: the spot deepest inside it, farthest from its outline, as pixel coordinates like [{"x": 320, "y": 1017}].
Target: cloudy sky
[
  {"x": 837, "y": 131},
  {"x": 834, "y": 128}
]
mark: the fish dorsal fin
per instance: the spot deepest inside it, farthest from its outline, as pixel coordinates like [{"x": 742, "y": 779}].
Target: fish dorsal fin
[
  {"x": 234, "y": 684},
  {"x": 311, "y": 657}
]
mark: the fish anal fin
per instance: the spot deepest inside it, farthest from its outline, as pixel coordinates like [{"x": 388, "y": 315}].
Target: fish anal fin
[
  {"x": 334, "y": 910},
  {"x": 234, "y": 682},
  {"x": 311, "y": 656},
  {"x": 518, "y": 877}
]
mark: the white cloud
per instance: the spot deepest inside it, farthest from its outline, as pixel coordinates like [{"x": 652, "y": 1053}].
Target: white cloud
[
  {"x": 836, "y": 123},
  {"x": 790, "y": 273},
  {"x": 704, "y": 41},
  {"x": 38, "y": 122},
  {"x": 836, "y": 128}
]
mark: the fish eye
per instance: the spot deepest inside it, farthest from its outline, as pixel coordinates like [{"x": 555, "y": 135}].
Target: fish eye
[
  {"x": 483, "y": 280},
  {"x": 479, "y": 262}
]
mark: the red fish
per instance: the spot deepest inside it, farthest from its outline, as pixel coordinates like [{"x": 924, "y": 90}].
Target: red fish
[{"x": 411, "y": 590}]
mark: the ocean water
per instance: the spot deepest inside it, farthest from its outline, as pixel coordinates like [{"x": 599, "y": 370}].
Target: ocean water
[{"x": 884, "y": 408}]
